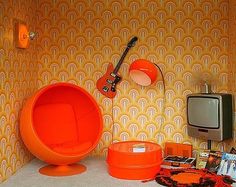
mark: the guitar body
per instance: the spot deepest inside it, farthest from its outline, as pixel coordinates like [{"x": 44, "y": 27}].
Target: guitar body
[{"x": 107, "y": 83}]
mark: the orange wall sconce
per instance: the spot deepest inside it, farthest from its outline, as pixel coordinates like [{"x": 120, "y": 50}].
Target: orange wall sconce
[{"x": 22, "y": 35}]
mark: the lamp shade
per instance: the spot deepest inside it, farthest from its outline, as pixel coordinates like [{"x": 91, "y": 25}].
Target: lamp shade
[{"x": 143, "y": 72}]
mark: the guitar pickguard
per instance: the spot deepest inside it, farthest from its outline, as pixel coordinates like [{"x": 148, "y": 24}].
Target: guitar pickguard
[
  {"x": 111, "y": 83},
  {"x": 107, "y": 83}
]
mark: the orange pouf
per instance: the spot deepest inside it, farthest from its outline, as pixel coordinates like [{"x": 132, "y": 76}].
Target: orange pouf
[
  {"x": 124, "y": 163},
  {"x": 61, "y": 124}
]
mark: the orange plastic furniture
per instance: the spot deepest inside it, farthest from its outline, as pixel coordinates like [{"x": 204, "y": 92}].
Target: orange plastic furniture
[
  {"x": 178, "y": 149},
  {"x": 61, "y": 124},
  {"x": 125, "y": 163},
  {"x": 143, "y": 72}
]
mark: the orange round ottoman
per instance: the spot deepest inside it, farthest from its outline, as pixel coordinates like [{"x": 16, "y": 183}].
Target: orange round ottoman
[{"x": 129, "y": 160}]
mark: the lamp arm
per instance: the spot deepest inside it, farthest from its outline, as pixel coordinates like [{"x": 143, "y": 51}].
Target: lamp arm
[
  {"x": 164, "y": 96},
  {"x": 162, "y": 76}
]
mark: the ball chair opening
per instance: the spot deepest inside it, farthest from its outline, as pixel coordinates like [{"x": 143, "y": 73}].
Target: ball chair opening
[{"x": 61, "y": 124}]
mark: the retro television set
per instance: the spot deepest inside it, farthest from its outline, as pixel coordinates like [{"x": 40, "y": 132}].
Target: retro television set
[{"x": 209, "y": 116}]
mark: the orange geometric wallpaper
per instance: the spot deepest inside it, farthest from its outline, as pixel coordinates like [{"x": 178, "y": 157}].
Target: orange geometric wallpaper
[
  {"x": 232, "y": 59},
  {"x": 188, "y": 40},
  {"x": 77, "y": 39},
  {"x": 18, "y": 80},
  {"x": 232, "y": 47}
]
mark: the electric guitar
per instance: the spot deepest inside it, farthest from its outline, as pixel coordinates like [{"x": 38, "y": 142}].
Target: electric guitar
[{"x": 107, "y": 83}]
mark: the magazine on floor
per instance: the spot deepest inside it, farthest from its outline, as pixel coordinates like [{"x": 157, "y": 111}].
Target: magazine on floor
[
  {"x": 213, "y": 161},
  {"x": 202, "y": 157},
  {"x": 228, "y": 165}
]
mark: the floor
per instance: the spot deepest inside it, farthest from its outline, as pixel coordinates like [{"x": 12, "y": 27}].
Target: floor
[{"x": 95, "y": 176}]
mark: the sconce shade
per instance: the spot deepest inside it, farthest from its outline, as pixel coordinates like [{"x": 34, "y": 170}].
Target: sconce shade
[
  {"x": 143, "y": 72},
  {"x": 21, "y": 36}
]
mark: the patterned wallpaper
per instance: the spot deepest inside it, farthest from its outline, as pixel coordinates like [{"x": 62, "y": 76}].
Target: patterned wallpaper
[
  {"x": 189, "y": 40},
  {"x": 232, "y": 47},
  {"x": 18, "y": 80},
  {"x": 232, "y": 59}
]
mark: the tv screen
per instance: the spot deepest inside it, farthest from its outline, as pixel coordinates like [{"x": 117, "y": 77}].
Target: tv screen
[
  {"x": 210, "y": 116},
  {"x": 203, "y": 112}
]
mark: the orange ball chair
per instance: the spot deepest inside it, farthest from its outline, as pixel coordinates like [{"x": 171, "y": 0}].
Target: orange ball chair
[{"x": 61, "y": 124}]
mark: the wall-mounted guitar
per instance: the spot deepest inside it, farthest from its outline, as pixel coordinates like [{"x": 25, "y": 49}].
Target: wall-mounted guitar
[{"x": 107, "y": 83}]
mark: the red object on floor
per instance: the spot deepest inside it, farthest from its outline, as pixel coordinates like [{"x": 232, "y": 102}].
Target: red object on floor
[
  {"x": 124, "y": 163},
  {"x": 61, "y": 124},
  {"x": 178, "y": 149},
  {"x": 191, "y": 177}
]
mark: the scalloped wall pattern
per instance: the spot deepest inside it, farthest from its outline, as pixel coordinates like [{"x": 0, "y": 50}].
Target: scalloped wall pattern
[
  {"x": 18, "y": 80},
  {"x": 232, "y": 61},
  {"x": 189, "y": 40}
]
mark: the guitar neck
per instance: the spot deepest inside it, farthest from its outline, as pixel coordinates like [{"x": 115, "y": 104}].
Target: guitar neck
[{"x": 121, "y": 60}]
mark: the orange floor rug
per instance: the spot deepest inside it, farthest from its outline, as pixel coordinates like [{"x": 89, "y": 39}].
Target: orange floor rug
[{"x": 191, "y": 178}]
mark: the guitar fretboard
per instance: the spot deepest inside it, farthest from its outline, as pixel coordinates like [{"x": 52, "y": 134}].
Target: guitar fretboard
[{"x": 121, "y": 60}]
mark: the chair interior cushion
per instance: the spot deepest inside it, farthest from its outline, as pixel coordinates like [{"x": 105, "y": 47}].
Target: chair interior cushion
[
  {"x": 72, "y": 147},
  {"x": 55, "y": 124}
]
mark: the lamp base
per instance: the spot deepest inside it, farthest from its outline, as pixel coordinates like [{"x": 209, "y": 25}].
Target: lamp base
[{"x": 62, "y": 170}]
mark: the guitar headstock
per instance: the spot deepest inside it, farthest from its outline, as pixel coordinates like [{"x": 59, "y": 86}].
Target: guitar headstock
[{"x": 132, "y": 42}]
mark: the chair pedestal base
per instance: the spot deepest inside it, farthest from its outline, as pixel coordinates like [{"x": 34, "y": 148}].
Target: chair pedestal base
[{"x": 62, "y": 170}]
